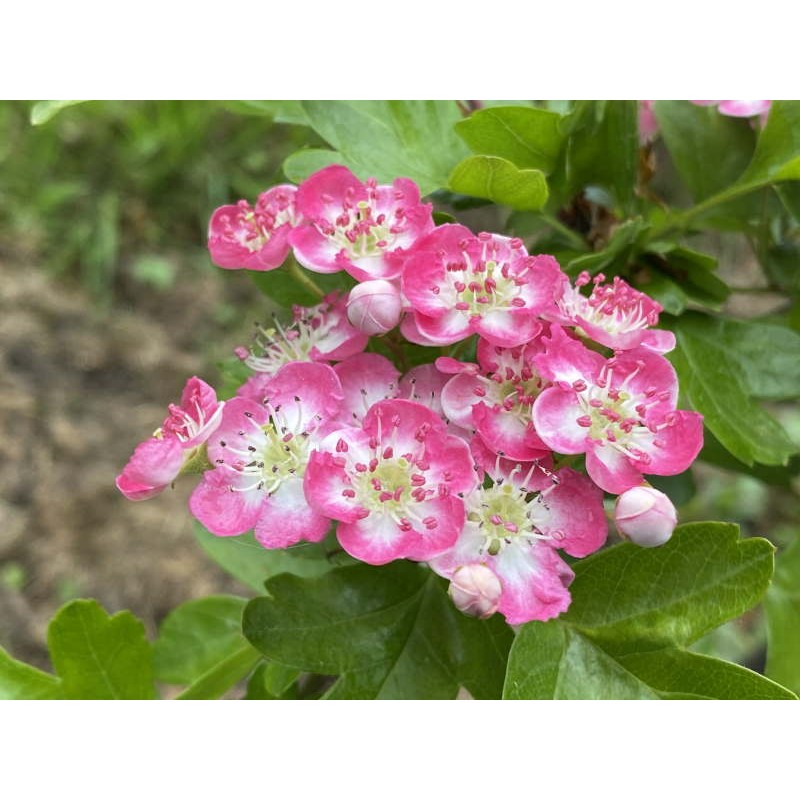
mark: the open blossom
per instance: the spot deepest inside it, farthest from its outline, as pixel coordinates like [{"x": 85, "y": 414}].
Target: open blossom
[
  {"x": 243, "y": 237},
  {"x": 621, "y": 412},
  {"x": 459, "y": 284},
  {"x": 374, "y": 307},
  {"x": 394, "y": 484},
  {"x": 366, "y": 379},
  {"x": 514, "y": 530},
  {"x": 614, "y": 314},
  {"x": 260, "y": 453},
  {"x": 495, "y": 398},
  {"x": 316, "y": 333},
  {"x": 361, "y": 227},
  {"x": 157, "y": 461}
]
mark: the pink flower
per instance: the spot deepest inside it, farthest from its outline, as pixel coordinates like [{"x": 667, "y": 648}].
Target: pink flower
[
  {"x": 648, "y": 124},
  {"x": 424, "y": 384},
  {"x": 645, "y": 516},
  {"x": 621, "y": 412},
  {"x": 374, "y": 307},
  {"x": 514, "y": 530},
  {"x": 739, "y": 108},
  {"x": 460, "y": 284},
  {"x": 394, "y": 484},
  {"x": 615, "y": 314},
  {"x": 496, "y": 399},
  {"x": 157, "y": 461},
  {"x": 316, "y": 333},
  {"x": 260, "y": 452},
  {"x": 360, "y": 227},
  {"x": 243, "y": 237},
  {"x": 366, "y": 379}
]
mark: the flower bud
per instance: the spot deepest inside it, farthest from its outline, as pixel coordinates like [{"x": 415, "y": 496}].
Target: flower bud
[
  {"x": 475, "y": 590},
  {"x": 374, "y": 307},
  {"x": 645, "y": 516}
]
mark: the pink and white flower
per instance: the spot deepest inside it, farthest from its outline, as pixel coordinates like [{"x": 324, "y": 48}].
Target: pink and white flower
[
  {"x": 614, "y": 314},
  {"x": 514, "y": 530},
  {"x": 366, "y": 379},
  {"x": 459, "y": 284},
  {"x": 243, "y": 237},
  {"x": 361, "y": 227},
  {"x": 475, "y": 590},
  {"x": 621, "y": 412},
  {"x": 316, "y": 333},
  {"x": 645, "y": 516},
  {"x": 260, "y": 454},
  {"x": 393, "y": 485},
  {"x": 739, "y": 108},
  {"x": 495, "y": 398},
  {"x": 157, "y": 461}
]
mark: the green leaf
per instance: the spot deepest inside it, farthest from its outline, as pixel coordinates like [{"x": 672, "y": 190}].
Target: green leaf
[
  {"x": 551, "y": 661},
  {"x": 670, "y": 595},
  {"x": 529, "y": 138},
  {"x": 389, "y": 632},
  {"x": 617, "y": 254},
  {"x": 249, "y": 562},
  {"x": 501, "y": 182},
  {"x": 283, "y": 286},
  {"x": 709, "y": 150},
  {"x": 713, "y": 383},
  {"x": 223, "y": 676},
  {"x": 20, "y": 681},
  {"x": 196, "y": 636},
  {"x": 44, "y": 110},
  {"x": 99, "y": 657},
  {"x": 782, "y": 607},
  {"x": 603, "y": 148},
  {"x": 694, "y": 272},
  {"x": 387, "y": 139},
  {"x": 777, "y": 156},
  {"x": 298, "y": 166},
  {"x": 714, "y": 453},
  {"x": 263, "y": 686},
  {"x": 288, "y": 111}
]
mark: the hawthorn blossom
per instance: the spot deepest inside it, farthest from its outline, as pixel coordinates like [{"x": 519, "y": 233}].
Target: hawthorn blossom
[
  {"x": 739, "y": 108},
  {"x": 157, "y": 461},
  {"x": 243, "y": 237},
  {"x": 361, "y": 227},
  {"x": 316, "y": 333},
  {"x": 424, "y": 384},
  {"x": 374, "y": 307},
  {"x": 514, "y": 530},
  {"x": 645, "y": 516},
  {"x": 459, "y": 284},
  {"x": 394, "y": 484},
  {"x": 621, "y": 412},
  {"x": 614, "y": 314},
  {"x": 366, "y": 378},
  {"x": 260, "y": 453},
  {"x": 495, "y": 398}
]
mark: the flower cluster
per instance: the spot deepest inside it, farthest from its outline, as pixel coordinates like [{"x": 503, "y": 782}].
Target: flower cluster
[{"x": 487, "y": 467}]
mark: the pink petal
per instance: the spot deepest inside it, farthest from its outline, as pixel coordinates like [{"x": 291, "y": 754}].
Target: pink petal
[
  {"x": 313, "y": 250},
  {"x": 505, "y": 433},
  {"x": 555, "y": 415},
  {"x": 611, "y": 470},
  {"x": 287, "y": 519},
  {"x": 222, "y": 511},
  {"x": 366, "y": 378},
  {"x": 325, "y": 481},
  {"x": 155, "y": 463}
]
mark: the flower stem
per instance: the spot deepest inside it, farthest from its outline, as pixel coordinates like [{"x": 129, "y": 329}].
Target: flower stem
[{"x": 302, "y": 277}]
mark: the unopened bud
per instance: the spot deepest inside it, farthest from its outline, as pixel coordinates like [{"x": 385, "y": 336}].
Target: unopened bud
[
  {"x": 475, "y": 590},
  {"x": 645, "y": 516},
  {"x": 374, "y": 307}
]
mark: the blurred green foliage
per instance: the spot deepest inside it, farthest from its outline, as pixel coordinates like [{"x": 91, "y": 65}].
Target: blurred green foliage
[{"x": 107, "y": 187}]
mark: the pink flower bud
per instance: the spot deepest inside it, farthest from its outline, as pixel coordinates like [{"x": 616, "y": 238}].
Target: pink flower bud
[
  {"x": 374, "y": 307},
  {"x": 475, "y": 590},
  {"x": 645, "y": 516}
]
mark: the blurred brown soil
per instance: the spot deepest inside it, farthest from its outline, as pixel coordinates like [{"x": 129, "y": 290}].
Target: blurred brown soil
[{"x": 78, "y": 391}]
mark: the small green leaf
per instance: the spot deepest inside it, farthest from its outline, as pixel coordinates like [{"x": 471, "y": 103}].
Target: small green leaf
[
  {"x": 387, "y": 139},
  {"x": 20, "y": 681},
  {"x": 714, "y": 384},
  {"x": 263, "y": 686},
  {"x": 617, "y": 254},
  {"x": 99, "y": 657},
  {"x": 389, "y": 632},
  {"x": 287, "y": 111},
  {"x": 196, "y": 636},
  {"x": 714, "y": 453},
  {"x": 670, "y": 595},
  {"x": 527, "y": 137},
  {"x": 249, "y": 562},
  {"x": 782, "y": 607},
  {"x": 298, "y": 166},
  {"x": 223, "y": 676},
  {"x": 501, "y": 182},
  {"x": 44, "y": 110},
  {"x": 777, "y": 156}
]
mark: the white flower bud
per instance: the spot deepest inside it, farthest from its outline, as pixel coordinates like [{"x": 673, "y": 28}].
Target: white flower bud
[
  {"x": 475, "y": 590},
  {"x": 374, "y": 307},
  {"x": 645, "y": 516}
]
